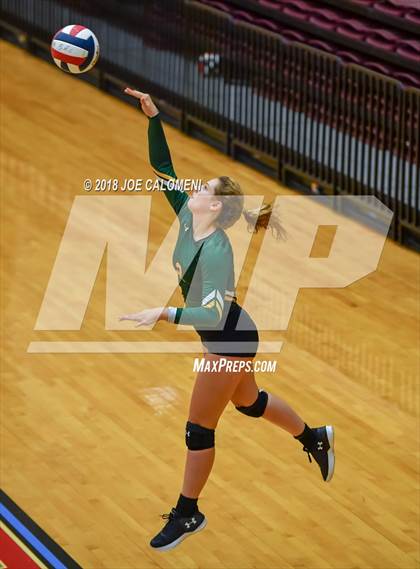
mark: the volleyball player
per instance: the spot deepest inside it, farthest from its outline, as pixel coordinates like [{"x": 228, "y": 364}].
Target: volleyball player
[{"x": 203, "y": 246}]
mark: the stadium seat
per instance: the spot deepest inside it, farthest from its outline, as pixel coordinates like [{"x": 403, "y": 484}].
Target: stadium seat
[
  {"x": 320, "y": 44},
  {"x": 390, "y": 9},
  {"x": 268, "y": 24},
  {"x": 405, "y": 3},
  {"x": 353, "y": 29},
  {"x": 348, "y": 56},
  {"x": 295, "y": 13},
  {"x": 272, "y": 4},
  {"x": 383, "y": 39},
  {"x": 219, "y": 5},
  {"x": 243, "y": 15},
  {"x": 408, "y": 78},
  {"x": 350, "y": 33},
  {"x": 413, "y": 16},
  {"x": 364, "y": 2},
  {"x": 377, "y": 67},
  {"x": 325, "y": 19},
  {"x": 409, "y": 49},
  {"x": 292, "y": 35}
]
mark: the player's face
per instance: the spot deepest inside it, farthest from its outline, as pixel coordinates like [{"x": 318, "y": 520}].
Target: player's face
[{"x": 203, "y": 200}]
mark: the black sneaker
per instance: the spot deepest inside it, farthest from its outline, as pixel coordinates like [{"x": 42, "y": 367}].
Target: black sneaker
[
  {"x": 177, "y": 529},
  {"x": 323, "y": 451}
]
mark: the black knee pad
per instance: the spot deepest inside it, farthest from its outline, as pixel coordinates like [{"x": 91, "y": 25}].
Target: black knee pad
[
  {"x": 198, "y": 437},
  {"x": 258, "y": 407}
]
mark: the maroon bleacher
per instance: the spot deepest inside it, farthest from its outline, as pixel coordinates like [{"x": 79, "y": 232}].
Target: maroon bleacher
[
  {"x": 319, "y": 44},
  {"x": 384, "y": 39},
  {"x": 413, "y": 16},
  {"x": 350, "y": 36},
  {"x": 349, "y": 57},
  {"x": 408, "y": 78},
  {"x": 409, "y": 50},
  {"x": 353, "y": 29},
  {"x": 395, "y": 8}
]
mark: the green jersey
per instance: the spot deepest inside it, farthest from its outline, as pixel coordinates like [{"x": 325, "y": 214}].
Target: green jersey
[{"x": 205, "y": 266}]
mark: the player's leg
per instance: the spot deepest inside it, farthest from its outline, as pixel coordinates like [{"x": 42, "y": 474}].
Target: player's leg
[
  {"x": 212, "y": 392},
  {"x": 276, "y": 410},
  {"x": 318, "y": 442}
]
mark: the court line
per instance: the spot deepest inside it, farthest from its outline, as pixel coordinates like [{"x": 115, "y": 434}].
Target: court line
[{"x": 136, "y": 347}]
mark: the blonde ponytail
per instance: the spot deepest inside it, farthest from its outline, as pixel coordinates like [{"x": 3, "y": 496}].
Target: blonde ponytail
[
  {"x": 233, "y": 208},
  {"x": 264, "y": 217}
]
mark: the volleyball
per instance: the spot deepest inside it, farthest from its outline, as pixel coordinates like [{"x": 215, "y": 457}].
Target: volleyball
[{"x": 75, "y": 49}]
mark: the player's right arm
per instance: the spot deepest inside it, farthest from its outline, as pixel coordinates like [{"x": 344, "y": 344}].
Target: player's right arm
[{"x": 159, "y": 155}]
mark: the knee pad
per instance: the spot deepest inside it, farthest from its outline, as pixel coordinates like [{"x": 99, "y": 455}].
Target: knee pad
[
  {"x": 198, "y": 437},
  {"x": 258, "y": 407}
]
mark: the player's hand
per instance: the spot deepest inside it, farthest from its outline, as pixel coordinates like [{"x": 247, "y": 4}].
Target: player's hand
[
  {"x": 147, "y": 105},
  {"x": 145, "y": 317}
]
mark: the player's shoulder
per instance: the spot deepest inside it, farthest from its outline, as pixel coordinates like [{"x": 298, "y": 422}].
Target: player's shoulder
[
  {"x": 185, "y": 213},
  {"x": 218, "y": 244}
]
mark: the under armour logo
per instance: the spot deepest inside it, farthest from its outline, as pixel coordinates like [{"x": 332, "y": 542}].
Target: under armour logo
[
  {"x": 188, "y": 433},
  {"x": 189, "y": 524},
  {"x": 320, "y": 445},
  {"x": 186, "y": 227}
]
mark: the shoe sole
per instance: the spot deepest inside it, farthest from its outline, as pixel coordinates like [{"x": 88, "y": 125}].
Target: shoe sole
[
  {"x": 330, "y": 453},
  {"x": 181, "y": 538}
]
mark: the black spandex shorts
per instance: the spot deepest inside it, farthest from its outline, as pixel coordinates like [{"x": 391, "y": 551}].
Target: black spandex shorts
[{"x": 228, "y": 341}]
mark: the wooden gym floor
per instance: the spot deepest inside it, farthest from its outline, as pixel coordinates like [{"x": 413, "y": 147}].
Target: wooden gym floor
[{"x": 92, "y": 444}]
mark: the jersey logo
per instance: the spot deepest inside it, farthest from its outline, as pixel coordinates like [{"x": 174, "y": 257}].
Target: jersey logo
[
  {"x": 186, "y": 227},
  {"x": 189, "y": 524}
]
